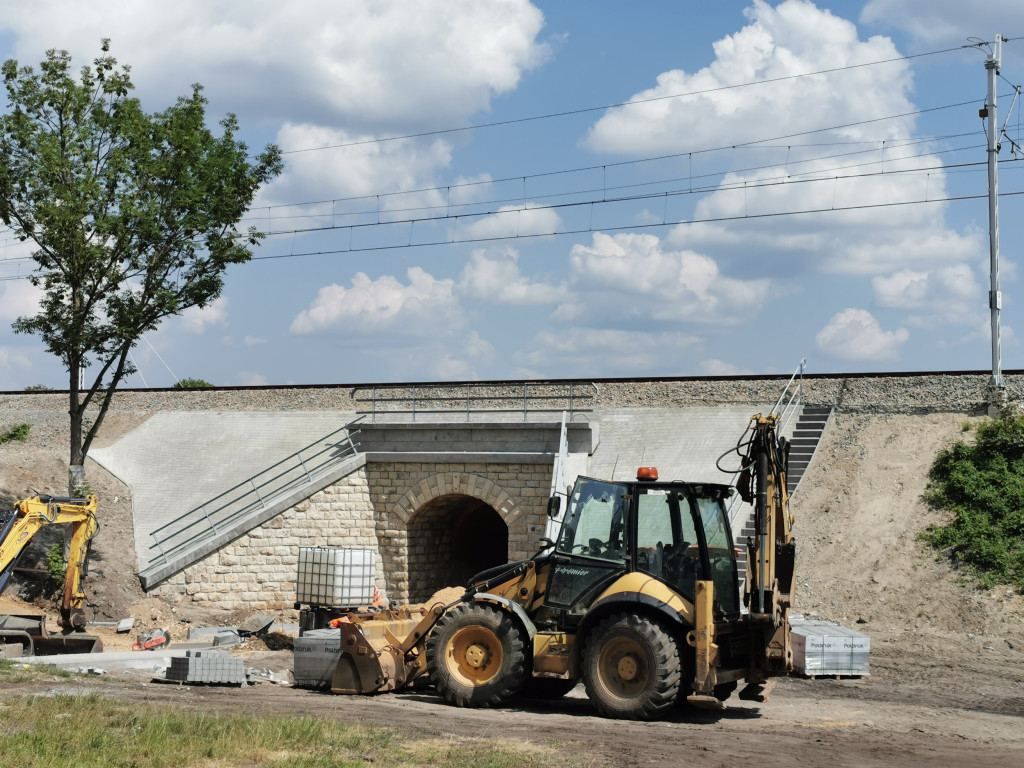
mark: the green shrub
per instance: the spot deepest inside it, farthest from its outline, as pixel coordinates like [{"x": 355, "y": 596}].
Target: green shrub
[
  {"x": 983, "y": 485},
  {"x": 38, "y": 388},
  {"x": 18, "y": 432},
  {"x": 55, "y": 563},
  {"x": 192, "y": 384}
]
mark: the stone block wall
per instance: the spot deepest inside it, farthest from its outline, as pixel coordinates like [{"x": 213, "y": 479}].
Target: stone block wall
[
  {"x": 257, "y": 570},
  {"x": 372, "y": 508}
]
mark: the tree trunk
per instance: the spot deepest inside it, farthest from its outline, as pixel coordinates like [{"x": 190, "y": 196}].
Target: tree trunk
[{"x": 76, "y": 464}]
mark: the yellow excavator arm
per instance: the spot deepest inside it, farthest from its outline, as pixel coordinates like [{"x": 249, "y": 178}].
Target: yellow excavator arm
[{"x": 25, "y": 520}]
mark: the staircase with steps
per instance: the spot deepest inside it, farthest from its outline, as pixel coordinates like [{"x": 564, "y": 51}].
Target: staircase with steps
[
  {"x": 806, "y": 435},
  {"x": 807, "y": 432}
]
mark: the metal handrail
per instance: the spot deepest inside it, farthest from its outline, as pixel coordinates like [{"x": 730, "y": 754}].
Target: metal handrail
[
  {"x": 785, "y": 413},
  {"x": 294, "y": 471},
  {"x": 431, "y": 394}
]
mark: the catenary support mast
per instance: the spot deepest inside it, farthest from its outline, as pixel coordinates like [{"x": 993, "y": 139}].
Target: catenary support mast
[{"x": 992, "y": 65}]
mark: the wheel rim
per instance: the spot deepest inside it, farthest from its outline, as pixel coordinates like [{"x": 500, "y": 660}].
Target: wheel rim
[
  {"x": 474, "y": 656},
  {"x": 622, "y": 668}
]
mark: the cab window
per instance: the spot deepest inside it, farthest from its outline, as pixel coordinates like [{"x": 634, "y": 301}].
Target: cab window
[
  {"x": 667, "y": 544},
  {"x": 596, "y": 522}
]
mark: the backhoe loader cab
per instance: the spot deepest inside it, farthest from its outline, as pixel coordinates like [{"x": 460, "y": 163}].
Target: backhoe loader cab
[{"x": 676, "y": 533}]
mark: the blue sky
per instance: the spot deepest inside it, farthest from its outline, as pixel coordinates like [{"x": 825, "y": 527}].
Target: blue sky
[{"x": 669, "y": 237}]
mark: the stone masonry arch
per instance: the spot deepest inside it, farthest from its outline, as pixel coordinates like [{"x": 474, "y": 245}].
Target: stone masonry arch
[
  {"x": 458, "y": 483},
  {"x": 422, "y": 508}
]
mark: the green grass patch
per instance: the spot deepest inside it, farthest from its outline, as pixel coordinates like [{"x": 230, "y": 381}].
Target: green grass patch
[
  {"x": 13, "y": 672},
  {"x": 93, "y": 731},
  {"x": 18, "y": 432},
  {"x": 982, "y": 483}
]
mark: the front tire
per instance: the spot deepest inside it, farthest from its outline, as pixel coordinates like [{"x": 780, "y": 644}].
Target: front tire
[
  {"x": 476, "y": 657},
  {"x": 631, "y": 667}
]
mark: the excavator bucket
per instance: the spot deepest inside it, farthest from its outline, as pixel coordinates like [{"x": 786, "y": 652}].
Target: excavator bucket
[
  {"x": 29, "y": 632},
  {"x": 54, "y": 645}
]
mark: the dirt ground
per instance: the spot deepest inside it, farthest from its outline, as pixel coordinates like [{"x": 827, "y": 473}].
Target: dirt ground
[{"x": 947, "y": 660}]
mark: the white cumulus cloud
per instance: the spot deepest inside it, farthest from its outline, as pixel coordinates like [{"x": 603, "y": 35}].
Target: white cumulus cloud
[
  {"x": 200, "y": 319},
  {"x": 715, "y": 367},
  {"x": 639, "y": 277},
  {"x": 363, "y": 169},
  {"x": 945, "y": 22},
  {"x": 494, "y": 276},
  {"x": 369, "y": 63},
  {"x": 18, "y": 298},
  {"x": 11, "y": 359},
  {"x": 948, "y": 295},
  {"x": 855, "y": 334},
  {"x": 793, "y": 38},
  {"x": 512, "y": 221},
  {"x": 578, "y": 351},
  {"x": 423, "y": 306}
]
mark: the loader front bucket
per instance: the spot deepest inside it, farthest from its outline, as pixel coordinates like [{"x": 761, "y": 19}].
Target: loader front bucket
[{"x": 365, "y": 666}]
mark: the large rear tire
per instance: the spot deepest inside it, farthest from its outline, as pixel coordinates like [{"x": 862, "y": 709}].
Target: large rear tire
[
  {"x": 476, "y": 657},
  {"x": 631, "y": 667}
]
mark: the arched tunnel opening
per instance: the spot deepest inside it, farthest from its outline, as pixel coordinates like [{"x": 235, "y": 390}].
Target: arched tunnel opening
[{"x": 450, "y": 539}]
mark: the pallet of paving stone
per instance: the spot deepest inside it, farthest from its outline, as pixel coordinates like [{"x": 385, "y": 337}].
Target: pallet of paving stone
[
  {"x": 826, "y": 649},
  {"x": 207, "y": 667},
  {"x": 315, "y": 656}
]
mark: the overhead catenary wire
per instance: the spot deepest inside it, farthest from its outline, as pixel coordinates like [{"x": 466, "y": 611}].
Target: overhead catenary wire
[
  {"x": 631, "y": 226},
  {"x": 257, "y": 217},
  {"x": 591, "y": 228},
  {"x": 617, "y": 228},
  {"x": 536, "y": 205},
  {"x": 752, "y": 143},
  {"x": 821, "y": 176},
  {"x": 627, "y": 104}
]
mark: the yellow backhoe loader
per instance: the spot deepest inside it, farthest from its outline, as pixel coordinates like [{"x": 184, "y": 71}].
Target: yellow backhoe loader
[
  {"x": 638, "y": 598},
  {"x": 26, "y": 519}
]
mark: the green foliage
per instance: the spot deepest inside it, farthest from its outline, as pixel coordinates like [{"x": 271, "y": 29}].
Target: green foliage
[
  {"x": 18, "y": 432},
  {"x": 192, "y": 384},
  {"x": 133, "y": 215},
  {"x": 55, "y": 564},
  {"x": 38, "y": 388},
  {"x": 983, "y": 484}
]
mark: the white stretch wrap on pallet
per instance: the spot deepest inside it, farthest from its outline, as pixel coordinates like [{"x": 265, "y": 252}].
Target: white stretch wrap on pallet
[
  {"x": 315, "y": 659},
  {"x": 335, "y": 578},
  {"x": 824, "y": 648}
]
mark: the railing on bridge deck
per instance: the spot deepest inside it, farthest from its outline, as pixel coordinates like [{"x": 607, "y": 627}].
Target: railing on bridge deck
[{"x": 447, "y": 399}]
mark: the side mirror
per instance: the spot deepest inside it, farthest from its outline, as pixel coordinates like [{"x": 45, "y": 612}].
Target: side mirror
[
  {"x": 545, "y": 543},
  {"x": 554, "y": 507}
]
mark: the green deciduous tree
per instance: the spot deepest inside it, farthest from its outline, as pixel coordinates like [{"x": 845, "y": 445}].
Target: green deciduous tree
[{"x": 134, "y": 215}]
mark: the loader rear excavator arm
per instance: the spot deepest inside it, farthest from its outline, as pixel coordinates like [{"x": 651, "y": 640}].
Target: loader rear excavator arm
[{"x": 25, "y": 521}]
